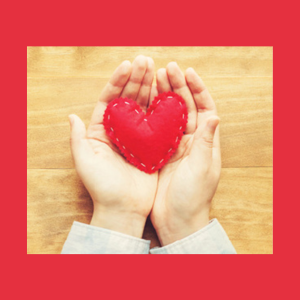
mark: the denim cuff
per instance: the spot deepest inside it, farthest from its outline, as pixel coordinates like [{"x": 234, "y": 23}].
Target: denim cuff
[
  {"x": 211, "y": 239},
  {"x": 88, "y": 239}
]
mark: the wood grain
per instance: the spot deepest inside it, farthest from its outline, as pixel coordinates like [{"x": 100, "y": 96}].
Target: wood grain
[
  {"x": 242, "y": 204},
  {"x": 100, "y": 61},
  {"x": 64, "y": 80},
  {"x": 244, "y": 106}
]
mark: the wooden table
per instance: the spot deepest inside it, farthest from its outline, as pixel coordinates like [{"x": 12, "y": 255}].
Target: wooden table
[{"x": 65, "y": 80}]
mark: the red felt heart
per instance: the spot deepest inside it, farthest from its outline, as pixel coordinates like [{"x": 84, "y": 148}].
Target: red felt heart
[{"x": 147, "y": 140}]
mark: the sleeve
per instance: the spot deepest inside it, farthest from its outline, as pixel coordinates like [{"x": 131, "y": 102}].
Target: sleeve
[
  {"x": 88, "y": 239},
  {"x": 212, "y": 239}
]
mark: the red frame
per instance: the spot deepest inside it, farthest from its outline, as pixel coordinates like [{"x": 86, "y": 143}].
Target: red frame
[{"x": 155, "y": 24}]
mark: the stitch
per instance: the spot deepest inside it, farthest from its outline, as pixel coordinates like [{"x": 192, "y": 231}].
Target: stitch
[
  {"x": 152, "y": 112},
  {"x": 115, "y": 104},
  {"x": 161, "y": 161},
  {"x": 180, "y": 128},
  {"x": 136, "y": 111},
  {"x": 169, "y": 97},
  {"x": 157, "y": 101},
  {"x": 126, "y": 102},
  {"x": 108, "y": 117},
  {"x": 176, "y": 140},
  {"x": 153, "y": 168},
  {"x": 132, "y": 155},
  {"x": 170, "y": 149},
  {"x": 180, "y": 103},
  {"x": 123, "y": 147},
  {"x": 117, "y": 139},
  {"x": 145, "y": 120},
  {"x": 111, "y": 129},
  {"x": 143, "y": 165},
  {"x": 183, "y": 116}
]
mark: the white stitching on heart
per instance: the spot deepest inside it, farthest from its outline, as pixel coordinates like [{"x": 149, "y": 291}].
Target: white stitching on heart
[
  {"x": 126, "y": 102},
  {"x": 147, "y": 120}
]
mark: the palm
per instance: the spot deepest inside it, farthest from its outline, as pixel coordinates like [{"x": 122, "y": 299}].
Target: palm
[
  {"x": 178, "y": 178},
  {"x": 174, "y": 180},
  {"x": 112, "y": 182},
  {"x": 112, "y": 176}
]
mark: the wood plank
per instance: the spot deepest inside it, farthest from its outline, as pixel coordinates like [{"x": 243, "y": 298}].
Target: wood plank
[
  {"x": 244, "y": 106},
  {"x": 101, "y": 61},
  {"x": 242, "y": 204}
]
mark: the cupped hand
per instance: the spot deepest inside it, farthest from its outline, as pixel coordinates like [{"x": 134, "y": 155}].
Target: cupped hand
[
  {"x": 122, "y": 194},
  {"x": 187, "y": 183}
]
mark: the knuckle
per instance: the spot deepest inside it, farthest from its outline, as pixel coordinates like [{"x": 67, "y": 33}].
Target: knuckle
[{"x": 207, "y": 141}]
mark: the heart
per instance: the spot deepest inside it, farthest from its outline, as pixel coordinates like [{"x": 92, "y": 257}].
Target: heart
[{"x": 147, "y": 140}]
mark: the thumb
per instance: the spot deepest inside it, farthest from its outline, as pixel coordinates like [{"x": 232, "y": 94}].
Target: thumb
[
  {"x": 78, "y": 133},
  {"x": 202, "y": 147}
]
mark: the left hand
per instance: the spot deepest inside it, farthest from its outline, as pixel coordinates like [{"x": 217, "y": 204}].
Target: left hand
[{"x": 122, "y": 194}]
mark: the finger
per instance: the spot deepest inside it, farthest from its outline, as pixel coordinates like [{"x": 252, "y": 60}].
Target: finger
[
  {"x": 153, "y": 93},
  {"x": 203, "y": 99},
  {"x": 111, "y": 91},
  {"x": 202, "y": 148},
  {"x": 144, "y": 92},
  {"x": 179, "y": 86},
  {"x": 217, "y": 149},
  {"x": 162, "y": 81},
  {"x": 78, "y": 141},
  {"x": 139, "y": 67},
  {"x": 205, "y": 106}
]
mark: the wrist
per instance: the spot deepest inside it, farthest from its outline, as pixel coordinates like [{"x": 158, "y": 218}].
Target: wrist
[
  {"x": 124, "y": 222},
  {"x": 176, "y": 230}
]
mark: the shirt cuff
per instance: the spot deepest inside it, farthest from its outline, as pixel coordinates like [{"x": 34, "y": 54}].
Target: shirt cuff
[
  {"x": 211, "y": 239},
  {"x": 88, "y": 239}
]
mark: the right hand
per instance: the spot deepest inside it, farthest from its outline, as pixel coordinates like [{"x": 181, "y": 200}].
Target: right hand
[{"x": 187, "y": 183}]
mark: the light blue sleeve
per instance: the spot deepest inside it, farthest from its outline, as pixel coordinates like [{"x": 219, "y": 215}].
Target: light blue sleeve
[
  {"x": 88, "y": 239},
  {"x": 211, "y": 239}
]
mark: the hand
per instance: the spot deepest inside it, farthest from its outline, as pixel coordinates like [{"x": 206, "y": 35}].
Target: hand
[
  {"x": 187, "y": 183},
  {"x": 122, "y": 194}
]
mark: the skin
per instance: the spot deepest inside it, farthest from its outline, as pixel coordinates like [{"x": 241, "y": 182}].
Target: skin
[
  {"x": 187, "y": 183},
  {"x": 178, "y": 197}
]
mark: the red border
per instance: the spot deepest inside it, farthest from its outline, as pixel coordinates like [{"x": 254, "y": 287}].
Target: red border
[{"x": 157, "y": 23}]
